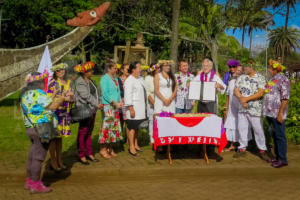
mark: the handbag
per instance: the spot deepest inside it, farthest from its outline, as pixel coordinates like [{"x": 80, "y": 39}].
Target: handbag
[
  {"x": 79, "y": 113},
  {"x": 45, "y": 131}
]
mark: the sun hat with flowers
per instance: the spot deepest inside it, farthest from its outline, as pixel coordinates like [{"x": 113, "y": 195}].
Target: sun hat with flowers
[{"x": 84, "y": 68}]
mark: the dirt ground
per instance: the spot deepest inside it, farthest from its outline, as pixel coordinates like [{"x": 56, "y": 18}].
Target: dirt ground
[{"x": 189, "y": 177}]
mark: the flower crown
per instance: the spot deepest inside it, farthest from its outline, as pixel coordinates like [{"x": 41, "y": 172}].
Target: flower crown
[
  {"x": 84, "y": 68},
  {"x": 165, "y": 62},
  {"x": 276, "y": 65},
  {"x": 31, "y": 78},
  {"x": 59, "y": 66},
  {"x": 153, "y": 68}
]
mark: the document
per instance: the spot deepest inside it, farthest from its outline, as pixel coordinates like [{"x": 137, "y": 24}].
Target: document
[
  {"x": 194, "y": 90},
  {"x": 204, "y": 91},
  {"x": 209, "y": 91}
]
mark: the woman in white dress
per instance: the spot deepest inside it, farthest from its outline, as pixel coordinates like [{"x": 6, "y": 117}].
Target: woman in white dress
[
  {"x": 135, "y": 99},
  {"x": 165, "y": 88},
  {"x": 231, "y": 112},
  {"x": 149, "y": 84}
]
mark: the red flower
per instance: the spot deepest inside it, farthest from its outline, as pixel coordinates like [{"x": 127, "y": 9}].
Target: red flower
[{"x": 275, "y": 81}]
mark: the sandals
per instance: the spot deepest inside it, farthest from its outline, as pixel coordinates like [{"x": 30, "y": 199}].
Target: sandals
[{"x": 105, "y": 155}]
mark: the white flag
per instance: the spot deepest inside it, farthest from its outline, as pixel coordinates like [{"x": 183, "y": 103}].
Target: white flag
[{"x": 45, "y": 66}]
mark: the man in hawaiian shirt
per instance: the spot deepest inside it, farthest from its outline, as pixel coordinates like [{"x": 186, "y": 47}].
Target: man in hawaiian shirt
[
  {"x": 275, "y": 110},
  {"x": 250, "y": 91},
  {"x": 183, "y": 77}
]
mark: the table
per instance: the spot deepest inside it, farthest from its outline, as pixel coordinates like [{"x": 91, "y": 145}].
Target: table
[{"x": 202, "y": 128}]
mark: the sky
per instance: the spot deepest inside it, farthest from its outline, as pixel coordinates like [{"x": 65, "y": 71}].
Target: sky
[{"x": 259, "y": 36}]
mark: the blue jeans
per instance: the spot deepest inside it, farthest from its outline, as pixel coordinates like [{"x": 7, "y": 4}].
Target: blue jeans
[
  {"x": 179, "y": 110},
  {"x": 280, "y": 143}
]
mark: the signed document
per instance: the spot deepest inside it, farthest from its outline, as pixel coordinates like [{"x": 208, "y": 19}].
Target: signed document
[{"x": 205, "y": 91}]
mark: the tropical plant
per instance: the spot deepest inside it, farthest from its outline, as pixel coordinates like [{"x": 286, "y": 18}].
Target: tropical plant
[
  {"x": 284, "y": 41},
  {"x": 210, "y": 22},
  {"x": 243, "y": 14},
  {"x": 293, "y": 118}
]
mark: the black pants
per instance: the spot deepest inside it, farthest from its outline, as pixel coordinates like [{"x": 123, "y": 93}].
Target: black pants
[{"x": 207, "y": 107}]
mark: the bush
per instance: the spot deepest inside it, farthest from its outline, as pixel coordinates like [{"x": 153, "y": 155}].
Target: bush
[{"x": 292, "y": 121}]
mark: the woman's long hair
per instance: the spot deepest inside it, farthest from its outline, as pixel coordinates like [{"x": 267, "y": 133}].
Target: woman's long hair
[
  {"x": 172, "y": 77},
  {"x": 33, "y": 85},
  {"x": 64, "y": 78}
]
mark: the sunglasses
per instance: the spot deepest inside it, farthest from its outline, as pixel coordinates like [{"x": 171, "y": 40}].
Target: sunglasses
[{"x": 232, "y": 66}]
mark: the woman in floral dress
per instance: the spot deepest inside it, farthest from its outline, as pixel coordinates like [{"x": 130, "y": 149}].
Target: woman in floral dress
[
  {"x": 58, "y": 85},
  {"x": 111, "y": 99}
]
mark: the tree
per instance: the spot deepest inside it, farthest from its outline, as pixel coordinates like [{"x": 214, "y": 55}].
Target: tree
[
  {"x": 210, "y": 22},
  {"x": 256, "y": 21},
  {"x": 284, "y": 41},
  {"x": 174, "y": 37},
  {"x": 31, "y": 21}
]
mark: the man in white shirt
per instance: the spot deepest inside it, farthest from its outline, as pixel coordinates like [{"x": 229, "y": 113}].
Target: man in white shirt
[{"x": 209, "y": 75}]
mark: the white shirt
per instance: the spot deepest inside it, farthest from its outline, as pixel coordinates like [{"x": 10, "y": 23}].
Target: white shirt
[
  {"x": 149, "y": 84},
  {"x": 134, "y": 95},
  {"x": 216, "y": 79}
]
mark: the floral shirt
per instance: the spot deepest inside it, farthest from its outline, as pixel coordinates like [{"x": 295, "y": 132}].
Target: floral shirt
[
  {"x": 248, "y": 86},
  {"x": 279, "y": 91},
  {"x": 34, "y": 103},
  {"x": 181, "y": 99}
]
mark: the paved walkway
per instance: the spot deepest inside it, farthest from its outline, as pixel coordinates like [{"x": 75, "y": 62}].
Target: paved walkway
[{"x": 189, "y": 177}]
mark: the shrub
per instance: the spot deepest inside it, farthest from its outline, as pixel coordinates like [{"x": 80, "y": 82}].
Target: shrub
[{"x": 292, "y": 121}]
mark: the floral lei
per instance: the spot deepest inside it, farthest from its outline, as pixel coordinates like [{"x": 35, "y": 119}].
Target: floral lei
[
  {"x": 212, "y": 74},
  {"x": 180, "y": 81},
  {"x": 270, "y": 85}
]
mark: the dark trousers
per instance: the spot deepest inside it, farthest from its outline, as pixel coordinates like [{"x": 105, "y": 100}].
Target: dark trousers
[
  {"x": 36, "y": 156},
  {"x": 184, "y": 110},
  {"x": 84, "y": 139},
  {"x": 277, "y": 131},
  {"x": 207, "y": 107}
]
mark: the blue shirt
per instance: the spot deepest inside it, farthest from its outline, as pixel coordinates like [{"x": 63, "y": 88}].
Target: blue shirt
[{"x": 110, "y": 90}]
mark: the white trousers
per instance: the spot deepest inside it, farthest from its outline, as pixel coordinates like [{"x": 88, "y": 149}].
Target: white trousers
[
  {"x": 244, "y": 120},
  {"x": 150, "y": 116}
]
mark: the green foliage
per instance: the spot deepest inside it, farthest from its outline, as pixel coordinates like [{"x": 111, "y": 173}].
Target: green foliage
[
  {"x": 284, "y": 41},
  {"x": 293, "y": 118},
  {"x": 31, "y": 21}
]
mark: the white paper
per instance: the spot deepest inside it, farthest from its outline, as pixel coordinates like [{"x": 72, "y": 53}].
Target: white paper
[
  {"x": 209, "y": 91},
  {"x": 194, "y": 90}
]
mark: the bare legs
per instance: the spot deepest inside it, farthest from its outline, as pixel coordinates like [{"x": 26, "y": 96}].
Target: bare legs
[
  {"x": 133, "y": 140},
  {"x": 55, "y": 150}
]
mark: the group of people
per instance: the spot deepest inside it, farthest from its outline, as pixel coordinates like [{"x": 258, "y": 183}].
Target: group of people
[
  {"x": 249, "y": 98},
  {"x": 128, "y": 102}
]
